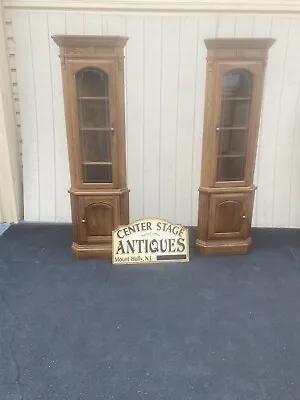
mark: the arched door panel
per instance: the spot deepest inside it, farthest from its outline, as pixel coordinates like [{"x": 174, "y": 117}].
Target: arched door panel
[
  {"x": 97, "y": 218},
  {"x": 228, "y": 216}
]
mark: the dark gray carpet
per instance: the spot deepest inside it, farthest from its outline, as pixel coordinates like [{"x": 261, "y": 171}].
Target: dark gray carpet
[{"x": 218, "y": 328}]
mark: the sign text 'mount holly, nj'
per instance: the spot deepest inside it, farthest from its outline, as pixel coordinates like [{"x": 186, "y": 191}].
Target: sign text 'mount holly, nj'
[{"x": 150, "y": 241}]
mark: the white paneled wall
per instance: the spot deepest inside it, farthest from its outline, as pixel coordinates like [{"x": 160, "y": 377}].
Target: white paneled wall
[{"x": 165, "y": 82}]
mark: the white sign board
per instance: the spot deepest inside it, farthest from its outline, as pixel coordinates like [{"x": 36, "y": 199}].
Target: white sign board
[{"x": 150, "y": 241}]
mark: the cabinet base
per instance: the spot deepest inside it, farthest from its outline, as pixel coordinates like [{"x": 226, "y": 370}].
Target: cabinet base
[
  {"x": 86, "y": 251},
  {"x": 224, "y": 247}
]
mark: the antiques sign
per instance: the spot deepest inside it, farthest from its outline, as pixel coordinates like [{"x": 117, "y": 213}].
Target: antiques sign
[{"x": 150, "y": 241}]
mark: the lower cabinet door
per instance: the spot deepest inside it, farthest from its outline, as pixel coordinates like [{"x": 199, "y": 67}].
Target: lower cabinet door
[
  {"x": 98, "y": 219},
  {"x": 229, "y": 216}
]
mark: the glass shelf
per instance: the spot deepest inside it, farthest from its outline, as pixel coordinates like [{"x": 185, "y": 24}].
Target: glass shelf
[
  {"x": 237, "y": 98},
  {"x": 230, "y": 155},
  {"x": 97, "y": 163},
  {"x": 92, "y": 98},
  {"x": 232, "y": 128},
  {"x": 94, "y": 129}
]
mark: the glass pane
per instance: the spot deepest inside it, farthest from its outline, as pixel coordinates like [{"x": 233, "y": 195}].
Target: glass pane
[
  {"x": 94, "y": 122},
  {"x": 95, "y": 145},
  {"x": 235, "y": 113},
  {"x": 97, "y": 172},
  {"x": 230, "y": 168},
  {"x": 237, "y": 83},
  {"x": 232, "y": 142},
  {"x": 233, "y": 125},
  {"x": 93, "y": 113},
  {"x": 92, "y": 82}
]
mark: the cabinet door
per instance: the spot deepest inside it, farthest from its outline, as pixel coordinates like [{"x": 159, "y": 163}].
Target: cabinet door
[
  {"x": 98, "y": 219},
  {"x": 93, "y": 104},
  {"x": 236, "y": 115},
  {"x": 228, "y": 216}
]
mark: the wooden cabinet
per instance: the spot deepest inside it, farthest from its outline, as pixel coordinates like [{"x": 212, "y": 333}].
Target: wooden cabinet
[
  {"x": 234, "y": 87},
  {"x": 93, "y": 84}
]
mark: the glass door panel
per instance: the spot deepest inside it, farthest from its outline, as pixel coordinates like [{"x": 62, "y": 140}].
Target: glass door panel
[
  {"x": 93, "y": 113},
  {"x": 96, "y": 146},
  {"x": 235, "y": 113},
  {"x": 230, "y": 168},
  {"x": 233, "y": 142},
  {"x": 237, "y": 83},
  {"x": 97, "y": 173},
  {"x": 94, "y": 125},
  {"x": 92, "y": 82},
  {"x": 234, "y": 125}
]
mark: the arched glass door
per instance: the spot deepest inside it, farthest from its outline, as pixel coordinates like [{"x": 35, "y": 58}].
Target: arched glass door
[
  {"x": 233, "y": 127},
  {"x": 94, "y": 125}
]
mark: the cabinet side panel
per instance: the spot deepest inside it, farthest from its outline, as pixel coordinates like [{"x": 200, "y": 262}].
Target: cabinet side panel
[
  {"x": 124, "y": 209},
  {"x": 202, "y": 230},
  {"x": 116, "y": 25},
  {"x": 121, "y": 134},
  {"x": 208, "y": 129},
  {"x": 75, "y": 207}
]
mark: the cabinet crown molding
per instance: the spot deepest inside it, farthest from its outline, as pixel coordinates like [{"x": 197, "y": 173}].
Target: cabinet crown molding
[
  {"x": 247, "y": 43},
  {"x": 89, "y": 40}
]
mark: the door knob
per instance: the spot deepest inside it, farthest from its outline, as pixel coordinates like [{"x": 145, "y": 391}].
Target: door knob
[
  {"x": 83, "y": 221},
  {"x": 244, "y": 216},
  {"x": 112, "y": 129},
  {"x": 217, "y": 129}
]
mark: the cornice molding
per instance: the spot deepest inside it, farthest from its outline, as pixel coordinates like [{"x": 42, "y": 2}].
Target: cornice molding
[
  {"x": 230, "y": 43},
  {"x": 89, "y": 40},
  {"x": 238, "y": 6}
]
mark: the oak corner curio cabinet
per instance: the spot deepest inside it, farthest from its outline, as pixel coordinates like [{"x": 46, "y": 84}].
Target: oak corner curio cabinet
[
  {"x": 93, "y": 86},
  {"x": 234, "y": 86}
]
